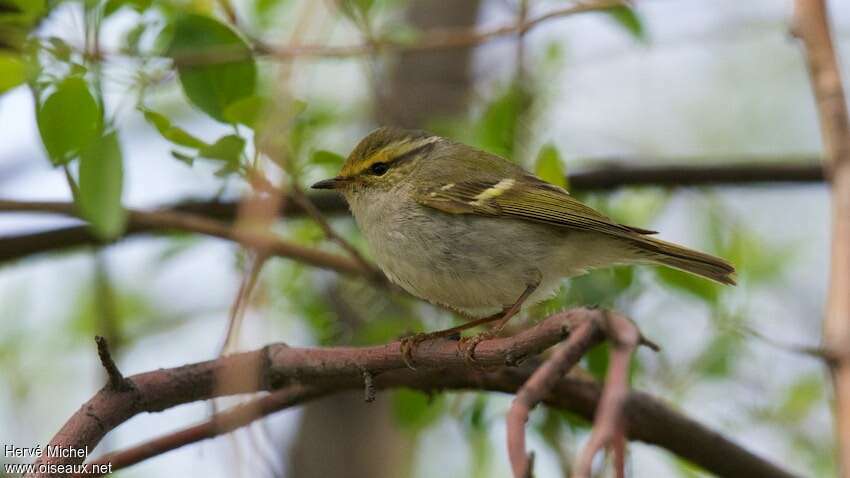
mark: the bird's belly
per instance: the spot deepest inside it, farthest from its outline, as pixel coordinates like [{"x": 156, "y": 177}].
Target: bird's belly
[
  {"x": 440, "y": 259},
  {"x": 473, "y": 294}
]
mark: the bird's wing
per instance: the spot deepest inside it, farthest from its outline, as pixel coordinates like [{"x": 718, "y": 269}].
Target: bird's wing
[{"x": 523, "y": 197}]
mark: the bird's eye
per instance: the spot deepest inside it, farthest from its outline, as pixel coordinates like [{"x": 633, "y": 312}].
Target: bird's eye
[{"x": 379, "y": 169}]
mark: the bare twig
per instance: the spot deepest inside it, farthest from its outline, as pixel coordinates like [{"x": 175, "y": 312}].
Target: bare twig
[
  {"x": 304, "y": 202},
  {"x": 229, "y": 12},
  {"x": 608, "y": 424},
  {"x": 163, "y": 220},
  {"x": 368, "y": 386},
  {"x": 816, "y": 352},
  {"x": 811, "y": 25},
  {"x": 117, "y": 381},
  {"x": 584, "y": 336},
  {"x": 237, "y": 308}
]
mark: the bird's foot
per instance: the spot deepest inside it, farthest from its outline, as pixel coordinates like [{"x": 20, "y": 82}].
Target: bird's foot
[{"x": 467, "y": 346}]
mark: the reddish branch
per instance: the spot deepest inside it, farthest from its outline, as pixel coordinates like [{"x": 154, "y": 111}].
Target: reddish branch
[
  {"x": 540, "y": 384},
  {"x": 441, "y": 366},
  {"x": 811, "y": 25},
  {"x": 116, "y": 379},
  {"x": 608, "y": 425}
]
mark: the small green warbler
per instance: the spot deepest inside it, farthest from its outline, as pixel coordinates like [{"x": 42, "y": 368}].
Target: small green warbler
[{"x": 460, "y": 227}]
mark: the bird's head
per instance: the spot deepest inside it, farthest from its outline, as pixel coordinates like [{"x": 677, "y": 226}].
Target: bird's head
[{"x": 384, "y": 158}]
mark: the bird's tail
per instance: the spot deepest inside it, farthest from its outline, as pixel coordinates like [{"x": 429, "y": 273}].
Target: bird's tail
[{"x": 688, "y": 260}]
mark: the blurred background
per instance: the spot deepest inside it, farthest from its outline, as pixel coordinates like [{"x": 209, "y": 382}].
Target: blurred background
[{"x": 685, "y": 82}]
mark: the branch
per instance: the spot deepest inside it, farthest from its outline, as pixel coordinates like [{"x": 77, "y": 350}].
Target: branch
[
  {"x": 165, "y": 220},
  {"x": 117, "y": 381},
  {"x": 608, "y": 425},
  {"x": 220, "y": 423},
  {"x": 540, "y": 384},
  {"x": 803, "y": 171},
  {"x": 811, "y": 26},
  {"x": 442, "y": 366}
]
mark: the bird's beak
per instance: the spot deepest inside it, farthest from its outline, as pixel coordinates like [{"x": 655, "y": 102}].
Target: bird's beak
[{"x": 333, "y": 183}]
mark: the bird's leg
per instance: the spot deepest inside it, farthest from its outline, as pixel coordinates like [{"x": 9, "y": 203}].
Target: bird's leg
[
  {"x": 409, "y": 344},
  {"x": 467, "y": 345}
]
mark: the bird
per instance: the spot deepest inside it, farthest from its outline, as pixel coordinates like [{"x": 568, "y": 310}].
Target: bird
[{"x": 476, "y": 233}]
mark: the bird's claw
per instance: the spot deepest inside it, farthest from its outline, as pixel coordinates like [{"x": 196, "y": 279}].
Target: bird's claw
[
  {"x": 467, "y": 345},
  {"x": 408, "y": 346}
]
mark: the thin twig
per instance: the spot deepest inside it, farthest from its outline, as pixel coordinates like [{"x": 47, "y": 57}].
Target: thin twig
[
  {"x": 237, "y": 308},
  {"x": 304, "y": 202},
  {"x": 164, "y": 220},
  {"x": 229, "y": 12},
  {"x": 117, "y": 382},
  {"x": 368, "y": 386},
  {"x": 219, "y": 424},
  {"x": 584, "y": 336},
  {"x": 608, "y": 425},
  {"x": 811, "y": 26},
  {"x": 816, "y": 352}
]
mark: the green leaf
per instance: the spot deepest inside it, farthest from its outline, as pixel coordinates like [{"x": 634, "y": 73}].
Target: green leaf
[
  {"x": 326, "y": 158},
  {"x": 265, "y": 11},
  {"x": 17, "y": 20},
  {"x": 69, "y": 120},
  {"x": 13, "y": 71},
  {"x": 59, "y": 49},
  {"x": 184, "y": 158},
  {"x": 113, "y": 6},
  {"x": 474, "y": 416},
  {"x": 227, "y": 148},
  {"x": 246, "y": 111},
  {"x": 801, "y": 397},
  {"x": 101, "y": 183},
  {"x": 496, "y": 131},
  {"x": 172, "y": 133},
  {"x": 415, "y": 411},
  {"x": 549, "y": 166},
  {"x": 21, "y": 11},
  {"x": 215, "y": 66},
  {"x": 683, "y": 281},
  {"x": 627, "y": 18},
  {"x": 600, "y": 287}
]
